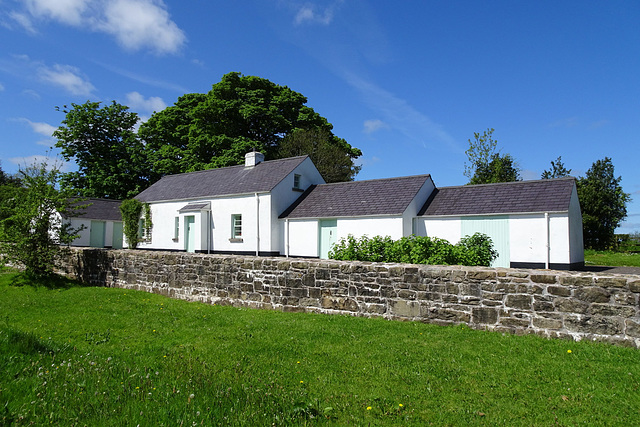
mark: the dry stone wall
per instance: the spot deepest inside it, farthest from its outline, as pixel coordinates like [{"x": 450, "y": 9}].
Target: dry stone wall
[{"x": 555, "y": 304}]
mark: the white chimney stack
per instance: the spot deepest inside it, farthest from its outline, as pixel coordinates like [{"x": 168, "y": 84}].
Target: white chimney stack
[{"x": 253, "y": 158}]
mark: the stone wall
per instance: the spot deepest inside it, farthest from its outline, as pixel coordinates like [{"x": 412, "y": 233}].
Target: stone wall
[{"x": 549, "y": 303}]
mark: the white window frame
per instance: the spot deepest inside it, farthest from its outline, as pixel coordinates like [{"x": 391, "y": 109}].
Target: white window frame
[
  {"x": 236, "y": 226},
  {"x": 297, "y": 178}
]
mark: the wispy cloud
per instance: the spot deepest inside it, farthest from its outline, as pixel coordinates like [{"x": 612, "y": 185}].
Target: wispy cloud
[
  {"x": 1, "y": 87},
  {"x": 145, "y": 79},
  {"x": 135, "y": 24},
  {"x": 401, "y": 116},
  {"x": 67, "y": 77},
  {"x": 310, "y": 13},
  {"x": 371, "y": 126},
  {"x": 39, "y": 159}
]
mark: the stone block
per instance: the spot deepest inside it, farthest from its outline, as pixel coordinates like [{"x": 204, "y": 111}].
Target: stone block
[
  {"x": 522, "y": 302},
  {"x": 375, "y": 309},
  {"x": 405, "y": 308},
  {"x": 632, "y": 328},
  {"x": 611, "y": 282},
  {"x": 600, "y": 325},
  {"x": 576, "y": 280},
  {"x": 484, "y": 315},
  {"x": 546, "y": 323},
  {"x": 561, "y": 291},
  {"x": 570, "y": 305},
  {"x": 543, "y": 278},
  {"x": 482, "y": 275},
  {"x": 634, "y": 286},
  {"x": 593, "y": 294},
  {"x": 512, "y": 322},
  {"x": 448, "y": 316},
  {"x": 612, "y": 310}
]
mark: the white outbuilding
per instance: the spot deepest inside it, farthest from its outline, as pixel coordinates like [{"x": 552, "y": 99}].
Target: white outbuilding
[{"x": 100, "y": 222}]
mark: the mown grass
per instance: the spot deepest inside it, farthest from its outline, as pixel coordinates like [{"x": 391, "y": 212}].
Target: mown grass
[
  {"x": 104, "y": 356},
  {"x": 611, "y": 258}
]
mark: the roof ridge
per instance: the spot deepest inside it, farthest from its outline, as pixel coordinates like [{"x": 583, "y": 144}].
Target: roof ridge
[
  {"x": 377, "y": 179},
  {"x": 527, "y": 181},
  {"x": 235, "y": 166}
]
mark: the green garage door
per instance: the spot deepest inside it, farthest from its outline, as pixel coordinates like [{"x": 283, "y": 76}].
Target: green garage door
[{"x": 495, "y": 227}]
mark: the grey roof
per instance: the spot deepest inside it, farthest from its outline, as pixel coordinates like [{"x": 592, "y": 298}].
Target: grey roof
[
  {"x": 357, "y": 198},
  {"x": 222, "y": 181},
  {"x": 98, "y": 209},
  {"x": 546, "y": 195}
]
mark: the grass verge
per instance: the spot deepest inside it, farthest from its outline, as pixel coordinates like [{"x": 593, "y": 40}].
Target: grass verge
[
  {"x": 104, "y": 356},
  {"x": 611, "y": 259}
]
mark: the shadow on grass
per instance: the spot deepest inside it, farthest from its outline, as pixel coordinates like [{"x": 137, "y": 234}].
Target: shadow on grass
[
  {"x": 52, "y": 281},
  {"x": 25, "y": 343}
]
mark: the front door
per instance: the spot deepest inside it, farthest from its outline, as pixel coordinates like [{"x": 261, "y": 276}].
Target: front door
[
  {"x": 328, "y": 229},
  {"x": 96, "y": 234},
  {"x": 190, "y": 233},
  {"x": 117, "y": 235}
]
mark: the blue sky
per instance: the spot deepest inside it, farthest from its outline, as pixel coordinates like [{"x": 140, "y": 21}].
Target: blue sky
[{"x": 406, "y": 82}]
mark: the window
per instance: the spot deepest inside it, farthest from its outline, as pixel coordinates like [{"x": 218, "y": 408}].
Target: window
[
  {"x": 176, "y": 229},
  {"x": 141, "y": 229},
  {"x": 236, "y": 226},
  {"x": 296, "y": 181}
]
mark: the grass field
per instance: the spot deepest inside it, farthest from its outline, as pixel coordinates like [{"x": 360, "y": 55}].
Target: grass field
[
  {"x": 104, "y": 356},
  {"x": 612, "y": 259}
]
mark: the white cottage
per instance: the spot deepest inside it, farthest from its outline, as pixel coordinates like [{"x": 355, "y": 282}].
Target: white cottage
[
  {"x": 102, "y": 224},
  {"x": 283, "y": 207},
  {"x": 533, "y": 224},
  {"x": 227, "y": 210}
]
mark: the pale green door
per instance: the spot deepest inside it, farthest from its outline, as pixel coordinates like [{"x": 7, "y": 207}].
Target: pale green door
[
  {"x": 495, "y": 227},
  {"x": 328, "y": 229},
  {"x": 117, "y": 236},
  {"x": 190, "y": 233},
  {"x": 96, "y": 234}
]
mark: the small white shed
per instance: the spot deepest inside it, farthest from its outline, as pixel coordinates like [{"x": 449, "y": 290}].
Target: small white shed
[
  {"x": 533, "y": 224},
  {"x": 102, "y": 223}
]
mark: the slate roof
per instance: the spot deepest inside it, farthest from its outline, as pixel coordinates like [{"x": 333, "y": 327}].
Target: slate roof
[
  {"x": 99, "y": 209},
  {"x": 222, "y": 181},
  {"x": 357, "y": 198},
  {"x": 546, "y": 195}
]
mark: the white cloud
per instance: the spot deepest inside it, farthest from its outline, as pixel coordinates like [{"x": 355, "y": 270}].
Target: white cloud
[
  {"x": 140, "y": 23},
  {"x": 135, "y": 24},
  {"x": 69, "y": 12},
  {"x": 311, "y": 13},
  {"x": 67, "y": 77},
  {"x": 42, "y": 128},
  {"x": 136, "y": 101},
  {"x": 1, "y": 87},
  {"x": 371, "y": 126},
  {"x": 569, "y": 122}
]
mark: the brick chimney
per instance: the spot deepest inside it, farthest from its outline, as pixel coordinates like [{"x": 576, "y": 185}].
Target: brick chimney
[{"x": 252, "y": 158}]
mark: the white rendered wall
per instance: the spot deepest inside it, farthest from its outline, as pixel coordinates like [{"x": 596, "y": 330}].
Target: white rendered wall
[
  {"x": 163, "y": 219},
  {"x": 283, "y": 195},
  {"x": 411, "y": 213},
  {"x": 372, "y": 226},
  {"x": 83, "y": 239},
  {"x": 444, "y": 228},
  {"x": 303, "y": 237}
]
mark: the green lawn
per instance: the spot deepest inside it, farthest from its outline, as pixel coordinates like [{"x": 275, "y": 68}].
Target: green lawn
[
  {"x": 610, "y": 258},
  {"x": 104, "y": 356}
]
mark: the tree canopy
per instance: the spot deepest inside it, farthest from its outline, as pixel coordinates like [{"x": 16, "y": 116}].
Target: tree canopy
[
  {"x": 603, "y": 204},
  {"x": 239, "y": 114},
  {"x": 103, "y": 143},
  {"x": 485, "y": 164},
  {"x": 557, "y": 170}
]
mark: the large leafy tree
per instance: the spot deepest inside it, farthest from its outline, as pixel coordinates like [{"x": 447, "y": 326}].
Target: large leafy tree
[
  {"x": 557, "y": 170},
  {"x": 326, "y": 152},
  {"x": 485, "y": 164},
  {"x": 10, "y": 190},
  {"x": 603, "y": 204},
  {"x": 33, "y": 232},
  {"x": 103, "y": 143},
  {"x": 239, "y": 114}
]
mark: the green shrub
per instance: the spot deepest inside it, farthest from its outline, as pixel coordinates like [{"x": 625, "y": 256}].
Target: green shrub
[{"x": 471, "y": 250}]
